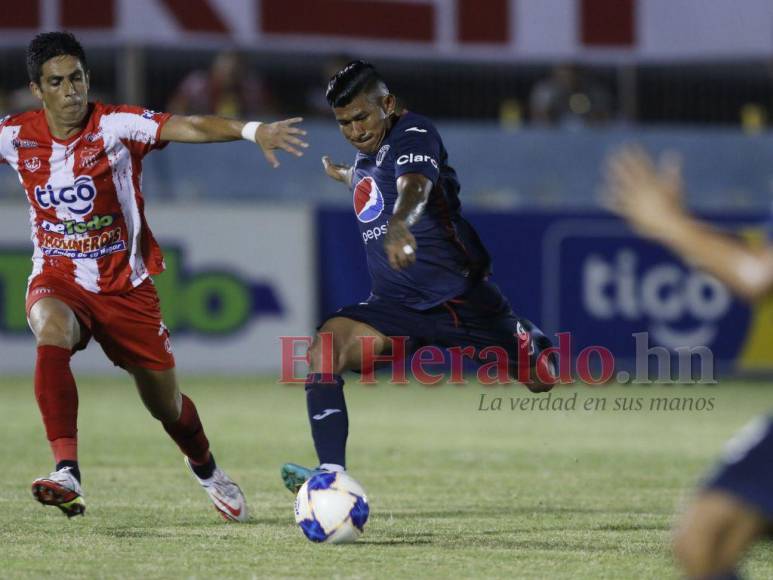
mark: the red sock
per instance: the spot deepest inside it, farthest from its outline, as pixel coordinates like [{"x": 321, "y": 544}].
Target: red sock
[
  {"x": 57, "y": 398},
  {"x": 188, "y": 433}
]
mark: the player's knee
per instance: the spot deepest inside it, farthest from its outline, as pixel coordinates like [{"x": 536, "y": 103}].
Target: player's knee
[
  {"x": 54, "y": 327},
  {"x": 166, "y": 411},
  {"x": 159, "y": 393},
  {"x": 338, "y": 352},
  {"x": 698, "y": 536},
  {"x": 692, "y": 550},
  {"x": 328, "y": 357}
]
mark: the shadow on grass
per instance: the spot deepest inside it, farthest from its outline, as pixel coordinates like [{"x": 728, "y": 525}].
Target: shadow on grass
[
  {"x": 395, "y": 542},
  {"x": 132, "y": 533},
  {"x": 518, "y": 511}
]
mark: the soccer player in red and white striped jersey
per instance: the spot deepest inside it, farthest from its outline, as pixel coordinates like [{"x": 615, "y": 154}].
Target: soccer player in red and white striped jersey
[{"x": 80, "y": 164}]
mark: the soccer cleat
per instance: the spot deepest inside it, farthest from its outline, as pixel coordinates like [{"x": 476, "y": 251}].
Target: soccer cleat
[
  {"x": 62, "y": 490},
  {"x": 542, "y": 367},
  {"x": 294, "y": 475},
  {"x": 226, "y": 496}
]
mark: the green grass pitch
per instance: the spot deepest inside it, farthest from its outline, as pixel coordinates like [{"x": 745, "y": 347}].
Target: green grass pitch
[{"x": 455, "y": 491}]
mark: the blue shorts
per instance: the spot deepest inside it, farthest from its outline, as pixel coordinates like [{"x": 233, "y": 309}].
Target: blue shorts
[
  {"x": 481, "y": 317},
  {"x": 746, "y": 468}
]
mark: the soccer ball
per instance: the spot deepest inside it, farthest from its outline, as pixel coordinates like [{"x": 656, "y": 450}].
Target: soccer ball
[{"x": 331, "y": 507}]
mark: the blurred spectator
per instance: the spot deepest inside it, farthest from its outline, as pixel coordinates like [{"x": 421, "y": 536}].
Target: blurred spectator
[
  {"x": 20, "y": 100},
  {"x": 316, "y": 104},
  {"x": 228, "y": 88},
  {"x": 569, "y": 98}
]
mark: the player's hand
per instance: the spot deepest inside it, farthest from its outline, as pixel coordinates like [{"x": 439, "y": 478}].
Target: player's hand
[
  {"x": 649, "y": 197},
  {"x": 399, "y": 245},
  {"x": 339, "y": 172},
  {"x": 281, "y": 135}
]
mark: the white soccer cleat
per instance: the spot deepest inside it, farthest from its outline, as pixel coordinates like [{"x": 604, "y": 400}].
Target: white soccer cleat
[
  {"x": 226, "y": 496},
  {"x": 62, "y": 490}
]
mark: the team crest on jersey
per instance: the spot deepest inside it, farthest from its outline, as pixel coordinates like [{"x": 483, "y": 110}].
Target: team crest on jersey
[
  {"x": 368, "y": 201},
  {"x": 90, "y": 156},
  {"x": 148, "y": 114},
  {"x": 32, "y": 164},
  {"x": 381, "y": 154}
]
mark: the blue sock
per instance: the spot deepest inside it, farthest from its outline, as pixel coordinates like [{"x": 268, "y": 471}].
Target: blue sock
[{"x": 327, "y": 416}]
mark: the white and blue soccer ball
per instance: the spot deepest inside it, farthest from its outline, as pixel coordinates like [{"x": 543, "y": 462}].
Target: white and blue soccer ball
[{"x": 331, "y": 507}]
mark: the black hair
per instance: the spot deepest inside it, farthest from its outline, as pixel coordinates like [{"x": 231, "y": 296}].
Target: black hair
[
  {"x": 48, "y": 45},
  {"x": 355, "y": 78}
]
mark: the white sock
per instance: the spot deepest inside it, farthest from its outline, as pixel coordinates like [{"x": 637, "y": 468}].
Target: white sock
[{"x": 332, "y": 467}]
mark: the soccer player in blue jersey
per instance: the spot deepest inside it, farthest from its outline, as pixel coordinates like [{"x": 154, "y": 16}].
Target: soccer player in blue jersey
[
  {"x": 734, "y": 506},
  {"x": 428, "y": 267}
]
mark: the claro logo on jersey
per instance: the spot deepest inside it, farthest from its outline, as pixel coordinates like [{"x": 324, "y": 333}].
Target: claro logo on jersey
[
  {"x": 413, "y": 158},
  {"x": 368, "y": 201},
  {"x": 78, "y": 198}
]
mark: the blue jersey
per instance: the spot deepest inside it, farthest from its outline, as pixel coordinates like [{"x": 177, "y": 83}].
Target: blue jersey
[
  {"x": 746, "y": 470},
  {"x": 770, "y": 226},
  {"x": 450, "y": 257}
]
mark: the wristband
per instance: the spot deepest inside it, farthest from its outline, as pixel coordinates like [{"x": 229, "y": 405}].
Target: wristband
[{"x": 249, "y": 131}]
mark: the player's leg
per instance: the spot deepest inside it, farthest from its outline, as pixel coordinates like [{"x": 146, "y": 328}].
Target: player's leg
[
  {"x": 734, "y": 507},
  {"x": 325, "y": 401},
  {"x": 177, "y": 413},
  {"x": 130, "y": 330},
  {"x": 714, "y": 533},
  {"x": 482, "y": 318},
  {"x": 325, "y": 394},
  {"x": 57, "y": 332}
]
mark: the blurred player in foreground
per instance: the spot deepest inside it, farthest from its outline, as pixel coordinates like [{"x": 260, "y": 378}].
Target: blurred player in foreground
[
  {"x": 80, "y": 164},
  {"x": 428, "y": 267},
  {"x": 734, "y": 506}
]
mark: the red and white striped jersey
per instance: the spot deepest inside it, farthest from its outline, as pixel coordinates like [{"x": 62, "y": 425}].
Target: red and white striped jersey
[{"x": 86, "y": 207}]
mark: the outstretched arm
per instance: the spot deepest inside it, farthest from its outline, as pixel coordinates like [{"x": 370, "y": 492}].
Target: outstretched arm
[
  {"x": 211, "y": 129},
  {"x": 650, "y": 199},
  {"x": 338, "y": 171},
  {"x": 413, "y": 191}
]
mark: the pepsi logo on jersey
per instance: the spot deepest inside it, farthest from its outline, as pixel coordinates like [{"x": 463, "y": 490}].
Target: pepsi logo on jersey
[
  {"x": 78, "y": 198},
  {"x": 368, "y": 201}
]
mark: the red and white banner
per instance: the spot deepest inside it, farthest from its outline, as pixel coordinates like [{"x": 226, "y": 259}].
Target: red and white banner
[{"x": 475, "y": 29}]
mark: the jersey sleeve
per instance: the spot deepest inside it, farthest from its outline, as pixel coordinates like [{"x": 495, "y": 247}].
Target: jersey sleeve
[
  {"x": 139, "y": 129},
  {"x": 417, "y": 150},
  {"x": 2, "y": 144}
]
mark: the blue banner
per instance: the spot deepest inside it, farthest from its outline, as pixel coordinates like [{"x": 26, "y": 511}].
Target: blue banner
[{"x": 587, "y": 274}]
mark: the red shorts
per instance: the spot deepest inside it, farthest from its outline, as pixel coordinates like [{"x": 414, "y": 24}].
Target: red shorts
[{"x": 127, "y": 326}]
